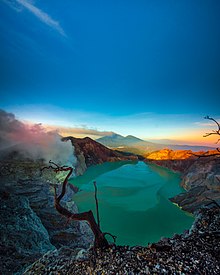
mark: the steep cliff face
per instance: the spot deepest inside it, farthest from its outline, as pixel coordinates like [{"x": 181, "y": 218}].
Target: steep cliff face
[
  {"x": 90, "y": 152},
  {"x": 202, "y": 182},
  {"x": 203, "y": 172},
  {"x": 200, "y": 176}
]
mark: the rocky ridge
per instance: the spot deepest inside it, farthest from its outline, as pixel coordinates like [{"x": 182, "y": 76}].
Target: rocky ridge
[
  {"x": 90, "y": 152},
  {"x": 168, "y": 154},
  {"x": 179, "y": 160}
]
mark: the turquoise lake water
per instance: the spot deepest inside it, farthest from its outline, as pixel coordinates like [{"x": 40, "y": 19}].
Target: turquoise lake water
[{"x": 133, "y": 201}]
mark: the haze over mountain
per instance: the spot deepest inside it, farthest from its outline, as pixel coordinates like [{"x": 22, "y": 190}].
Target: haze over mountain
[
  {"x": 140, "y": 146},
  {"x": 116, "y": 140}
]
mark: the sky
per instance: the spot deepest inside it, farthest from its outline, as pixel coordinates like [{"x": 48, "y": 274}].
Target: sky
[{"x": 146, "y": 68}]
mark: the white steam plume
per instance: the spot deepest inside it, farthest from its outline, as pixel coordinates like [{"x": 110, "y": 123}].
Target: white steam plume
[{"x": 33, "y": 141}]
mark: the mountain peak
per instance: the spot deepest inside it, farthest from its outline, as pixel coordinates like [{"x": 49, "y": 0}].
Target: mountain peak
[
  {"x": 115, "y": 135},
  {"x": 116, "y": 140},
  {"x": 133, "y": 137},
  {"x": 130, "y": 136}
]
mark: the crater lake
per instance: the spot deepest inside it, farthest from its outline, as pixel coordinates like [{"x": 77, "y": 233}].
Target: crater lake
[{"x": 133, "y": 201}]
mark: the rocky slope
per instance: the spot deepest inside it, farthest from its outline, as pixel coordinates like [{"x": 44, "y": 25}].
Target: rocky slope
[
  {"x": 34, "y": 192},
  {"x": 195, "y": 252},
  {"x": 202, "y": 182},
  {"x": 38, "y": 188},
  {"x": 90, "y": 152},
  {"x": 200, "y": 176}
]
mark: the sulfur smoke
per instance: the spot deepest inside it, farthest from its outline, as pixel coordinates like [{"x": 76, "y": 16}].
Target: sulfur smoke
[{"x": 33, "y": 141}]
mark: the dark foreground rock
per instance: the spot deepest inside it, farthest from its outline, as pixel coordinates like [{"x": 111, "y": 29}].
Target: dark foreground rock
[
  {"x": 39, "y": 190},
  {"x": 31, "y": 199},
  {"x": 195, "y": 252},
  {"x": 196, "y": 197},
  {"x": 23, "y": 238}
]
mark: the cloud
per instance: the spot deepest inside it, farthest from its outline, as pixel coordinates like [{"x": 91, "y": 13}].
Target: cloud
[
  {"x": 13, "y": 4},
  {"x": 40, "y": 14},
  {"x": 146, "y": 125},
  {"x": 79, "y": 131},
  {"x": 207, "y": 123},
  {"x": 204, "y": 124},
  {"x": 33, "y": 141}
]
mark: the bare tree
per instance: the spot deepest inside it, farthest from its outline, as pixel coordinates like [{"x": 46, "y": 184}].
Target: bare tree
[
  {"x": 207, "y": 154},
  {"x": 100, "y": 240},
  {"x": 214, "y": 132}
]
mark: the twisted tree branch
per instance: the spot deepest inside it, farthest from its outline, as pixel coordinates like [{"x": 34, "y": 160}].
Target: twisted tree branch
[
  {"x": 214, "y": 132},
  {"x": 100, "y": 240}
]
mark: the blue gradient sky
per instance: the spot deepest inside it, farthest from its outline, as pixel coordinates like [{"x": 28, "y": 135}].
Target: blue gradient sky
[{"x": 126, "y": 66}]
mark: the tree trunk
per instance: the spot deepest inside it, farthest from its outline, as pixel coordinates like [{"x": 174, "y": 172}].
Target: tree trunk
[{"x": 100, "y": 240}]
